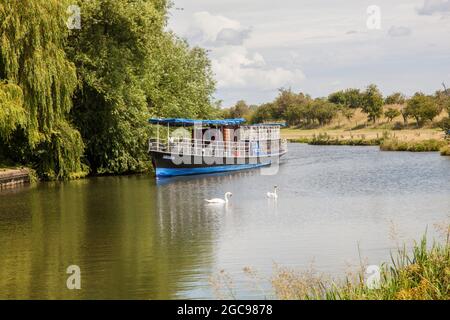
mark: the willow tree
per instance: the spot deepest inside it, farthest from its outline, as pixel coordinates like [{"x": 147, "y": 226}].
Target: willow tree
[
  {"x": 12, "y": 111},
  {"x": 32, "y": 38}
]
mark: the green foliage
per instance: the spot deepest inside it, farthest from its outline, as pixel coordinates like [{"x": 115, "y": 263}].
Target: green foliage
[
  {"x": 179, "y": 81},
  {"x": 110, "y": 106},
  {"x": 239, "y": 110},
  {"x": 422, "y": 107},
  {"x": 12, "y": 112},
  {"x": 131, "y": 69},
  {"x": 445, "y": 150},
  {"x": 422, "y": 273},
  {"x": 32, "y": 56},
  {"x": 298, "y": 110},
  {"x": 323, "y": 111},
  {"x": 351, "y": 98},
  {"x": 413, "y": 146},
  {"x": 391, "y": 113},
  {"x": 445, "y": 125},
  {"x": 264, "y": 112},
  {"x": 287, "y": 99},
  {"x": 372, "y": 102},
  {"x": 395, "y": 98},
  {"x": 443, "y": 99}
]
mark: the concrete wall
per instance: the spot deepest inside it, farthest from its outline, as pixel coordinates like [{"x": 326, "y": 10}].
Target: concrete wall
[{"x": 13, "y": 177}]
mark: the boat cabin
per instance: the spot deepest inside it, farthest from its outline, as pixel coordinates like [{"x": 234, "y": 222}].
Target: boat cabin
[{"x": 227, "y": 137}]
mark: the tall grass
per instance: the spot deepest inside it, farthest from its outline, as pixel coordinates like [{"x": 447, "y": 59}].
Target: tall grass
[
  {"x": 445, "y": 151},
  {"x": 414, "y": 146},
  {"x": 423, "y": 274},
  {"x": 420, "y": 273}
]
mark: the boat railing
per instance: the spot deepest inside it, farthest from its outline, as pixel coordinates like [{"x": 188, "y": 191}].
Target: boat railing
[{"x": 214, "y": 148}]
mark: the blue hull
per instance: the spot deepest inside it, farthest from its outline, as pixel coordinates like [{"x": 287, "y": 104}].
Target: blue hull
[{"x": 172, "y": 172}]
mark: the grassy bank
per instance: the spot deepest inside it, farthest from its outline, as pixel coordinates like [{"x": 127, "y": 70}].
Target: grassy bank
[
  {"x": 419, "y": 273},
  {"x": 413, "y": 146},
  {"x": 362, "y": 134},
  {"x": 423, "y": 274},
  {"x": 324, "y": 139},
  {"x": 445, "y": 151},
  {"x": 418, "y": 140},
  {"x": 357, "y": 131}
]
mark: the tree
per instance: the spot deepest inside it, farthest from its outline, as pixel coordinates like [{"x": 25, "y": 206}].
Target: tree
[
  {"x": 405, "y": 115},
  {"x": 372, "y": 102},
  {"x": 264, "y": 112},
  {"x": 443, "y": 99},
  {"x": 179, "y": 81},
  {"x": 351, "y": 98},
  {"x": 12, "y": 112},
  {"x": 296, "y": 112},
  {"x": 395, "y": 98},
  {"x": 324, "y": 111},
  {"x": 347, "y": 112},
  {"x": 285, "y": 99},
  {"x": 130, "y": 69},
  {"x": 32, "y": 57},
  {"x": 445, "y": 125},
  {"x": 422, "y": 107},
  {"x": 240, "y": 110},
  {"x": 391, "y": 113}
]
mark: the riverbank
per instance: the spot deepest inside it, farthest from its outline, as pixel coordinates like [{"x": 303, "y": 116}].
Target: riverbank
[
  {"x": 362, "y": 134},
  {"x": 419, "y": 140},
  {"x": 423, "y": 274},
  {"x": 445, "y": 151},
  {"x": 12, "y": 177}
]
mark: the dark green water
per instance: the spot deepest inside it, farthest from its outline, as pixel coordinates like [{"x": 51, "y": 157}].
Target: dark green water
[{"x": 135, "y": 238}]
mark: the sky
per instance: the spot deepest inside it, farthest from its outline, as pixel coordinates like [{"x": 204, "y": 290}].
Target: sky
[{"x": 318, "y": 46}]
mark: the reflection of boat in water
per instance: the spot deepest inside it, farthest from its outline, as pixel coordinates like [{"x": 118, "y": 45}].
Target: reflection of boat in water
[{"x": 209, "y": 146}]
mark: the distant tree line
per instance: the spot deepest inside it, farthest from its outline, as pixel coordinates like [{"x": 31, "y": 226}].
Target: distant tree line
[{"x": 300, "y": 109}]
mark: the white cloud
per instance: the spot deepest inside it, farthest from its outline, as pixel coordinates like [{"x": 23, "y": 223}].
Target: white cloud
[
  {"x": 399, "y": 31},
  {"x": 258, "y": 45},
  {"x": 434, "y": 6},
  {"x": 234, "y": 65},
  {"x": 211, "y": 30},
  {"x": 233, "y": 37}
]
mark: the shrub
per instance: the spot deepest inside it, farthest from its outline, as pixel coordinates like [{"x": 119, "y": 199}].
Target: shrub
[{"x": 413, "y": 146}]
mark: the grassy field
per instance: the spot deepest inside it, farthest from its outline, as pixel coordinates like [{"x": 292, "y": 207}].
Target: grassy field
[
  {"x": 357, "y": 128},
  {"x": 365, "y": 134}
]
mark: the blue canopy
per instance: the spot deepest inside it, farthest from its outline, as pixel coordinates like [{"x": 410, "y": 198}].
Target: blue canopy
[
  {"x": 191, "y": 122},
  {"x": 274, "y": 124}
]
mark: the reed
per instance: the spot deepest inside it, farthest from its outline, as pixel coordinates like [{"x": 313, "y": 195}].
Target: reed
[
  {"x": 422, "y": 274},
  {"x": 394, "y": 144},
  {"x": 327, "y": 140},
  {"x": 445, "y": 150}
]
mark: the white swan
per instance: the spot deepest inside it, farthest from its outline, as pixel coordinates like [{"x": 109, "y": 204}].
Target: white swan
[
  {"x": 218, "y": 200},
  {"x": 273, "y": 195}
]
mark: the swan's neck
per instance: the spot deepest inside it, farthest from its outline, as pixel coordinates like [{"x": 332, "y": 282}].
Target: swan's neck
[
  {"x": 275, "y": 190},
  {"x": 226, "y": 197}
]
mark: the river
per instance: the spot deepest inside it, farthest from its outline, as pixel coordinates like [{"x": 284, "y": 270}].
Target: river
[{"x": 135, "y": 238}]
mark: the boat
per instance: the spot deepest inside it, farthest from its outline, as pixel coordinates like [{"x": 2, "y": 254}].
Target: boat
[{"x": 189, "y": 146}]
